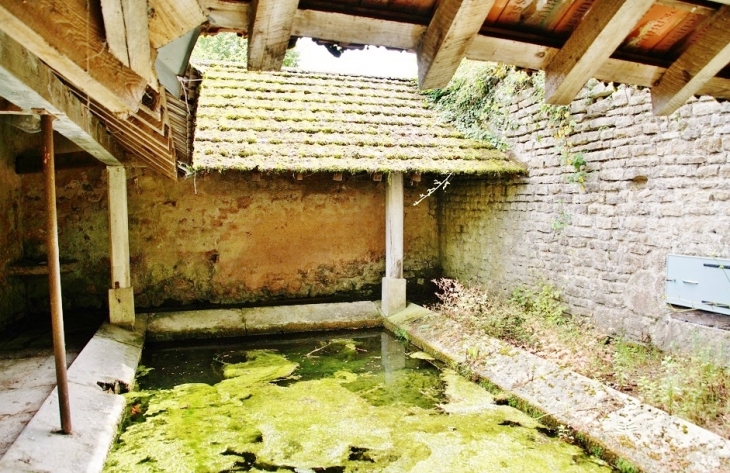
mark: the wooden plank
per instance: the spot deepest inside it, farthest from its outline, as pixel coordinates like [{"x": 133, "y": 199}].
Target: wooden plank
[
  {"x": 67, "y": 37},
  {"x": 30, "y": 84},
  {"x": 138, "y": 39},
  {"x": 597, "y": 36},
  {"x": 394, "y": 226},
  {"x": 269, "y": 32},
  {"x": 116, "y": 32},
  {"x": 357, "y": 30},
  {"x": 453, "y": 27},
  {"x": 696, "y": 66},
  {"x": 118, "y": 227},
  {"x": 360, "y": 30},
  {"x": 170, "y": 19}
]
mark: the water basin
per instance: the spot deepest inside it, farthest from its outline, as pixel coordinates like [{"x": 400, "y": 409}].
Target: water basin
[{"x": 352, "y": 402}]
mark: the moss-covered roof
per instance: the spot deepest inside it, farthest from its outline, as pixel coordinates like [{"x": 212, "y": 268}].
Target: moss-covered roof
[{"x": 307, "y": 122}]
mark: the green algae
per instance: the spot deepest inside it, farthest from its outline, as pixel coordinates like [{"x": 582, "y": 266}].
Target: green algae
[{"x": 346, "y": 421}]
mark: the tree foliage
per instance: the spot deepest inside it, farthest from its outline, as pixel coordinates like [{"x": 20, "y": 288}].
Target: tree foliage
[{"x": 233, "y": 48}]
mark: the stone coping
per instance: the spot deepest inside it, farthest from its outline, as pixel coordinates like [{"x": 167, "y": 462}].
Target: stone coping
[
  {"x": 262, "y": 320},
  {"x": 110, "y": 358},
  {"x": 651, "y": 439}
]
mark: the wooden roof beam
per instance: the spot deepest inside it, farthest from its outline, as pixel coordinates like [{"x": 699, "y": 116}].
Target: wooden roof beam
[
  {"x": 269, "y": 32},
  {"x": 68, "y": 37},
  {"x": 453, "y": 27},
  {"x": 29, "y": 84},
  {"x": 601, "y": 31},
  {"x": 128, "y": 36},
  {"x": 695, "y": 67}
]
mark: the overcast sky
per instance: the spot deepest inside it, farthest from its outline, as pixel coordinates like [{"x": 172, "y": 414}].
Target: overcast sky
[{"x": 373, "y": 61}]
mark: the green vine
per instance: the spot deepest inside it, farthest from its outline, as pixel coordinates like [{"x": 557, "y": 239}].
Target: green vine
[{"x": 479, "y": 101}]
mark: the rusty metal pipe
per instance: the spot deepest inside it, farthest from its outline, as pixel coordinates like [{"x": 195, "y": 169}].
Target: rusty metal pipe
[{"x": 54, "y": 273}]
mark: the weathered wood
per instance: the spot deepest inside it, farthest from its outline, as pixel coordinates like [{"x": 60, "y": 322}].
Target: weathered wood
[
  {"x": 116, "y": 33},
  {"x": 601, "y": 31},
  {"x": 118, "y": 227},
  {"x": 394, "y": 226},
  {"x": 361, "y": 30},
  {"x": 138, "y": 39},
  {"x": 269, "y": 32},
  {"x": 54, "y": 274},
  {"x": 69, "y": 38},
  {"x": 30, "y": 84},
  {"x": 453, "y": 27},
  {"x": 707, "y": 56},
  {"x": 170, "y": 19},
  {"x": 394, "y": 286}
]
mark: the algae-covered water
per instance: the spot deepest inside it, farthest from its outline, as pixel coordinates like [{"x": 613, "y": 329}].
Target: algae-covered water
[{"x": 355, "y": 404}]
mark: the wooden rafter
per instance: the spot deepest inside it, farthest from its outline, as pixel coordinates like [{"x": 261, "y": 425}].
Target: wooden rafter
[
  {"x": 601, "y": 31},
  {"x": 269, "y": 32},
  {"x": 453, "y": 27},
  {"x": 360, "y": 30},
  {"x": 29, "y": 84},
  {"x": 67, "y": 37},
  {"x": 695, "y": 67},
  {"x": 127, "y": 34}
]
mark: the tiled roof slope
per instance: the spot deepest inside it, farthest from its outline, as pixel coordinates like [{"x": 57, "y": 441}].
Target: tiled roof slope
[{"x": 306, "y": 122}]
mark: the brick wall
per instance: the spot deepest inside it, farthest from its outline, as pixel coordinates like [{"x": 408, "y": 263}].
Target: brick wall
[{"x": 656, "y": 185}]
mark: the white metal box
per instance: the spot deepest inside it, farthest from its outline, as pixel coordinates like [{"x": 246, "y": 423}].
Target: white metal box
[{"x": 700, "y": 283}]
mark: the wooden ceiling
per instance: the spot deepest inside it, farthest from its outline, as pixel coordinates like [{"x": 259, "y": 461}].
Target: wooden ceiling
[{"x": 77, "y": 59}]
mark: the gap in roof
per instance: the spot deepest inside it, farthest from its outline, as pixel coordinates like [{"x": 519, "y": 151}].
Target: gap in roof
[{"x": 371, "y": 61}]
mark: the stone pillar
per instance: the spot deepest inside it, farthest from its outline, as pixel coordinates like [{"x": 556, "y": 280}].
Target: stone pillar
[
  {"x": 121, "y": 294},
  {"x": 394, "y": 286}
]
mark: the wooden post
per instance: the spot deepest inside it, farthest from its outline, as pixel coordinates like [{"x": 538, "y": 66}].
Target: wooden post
[
  {"x": 54, "y": 274},
  {"x": 394, "y": 286},
  {"x": 121, "y": 294}
]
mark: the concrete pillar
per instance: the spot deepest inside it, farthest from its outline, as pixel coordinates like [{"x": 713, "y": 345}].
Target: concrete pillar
[
  {"x": 394, "y": 286},
  {"x": 121, "y": 294}
]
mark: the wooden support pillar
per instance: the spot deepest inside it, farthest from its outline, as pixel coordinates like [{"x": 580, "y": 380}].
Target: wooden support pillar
[
  {"x": 54, "y": 274},
  {"x": 394, "y": 286},
  {"x": 121, "y": 294}
]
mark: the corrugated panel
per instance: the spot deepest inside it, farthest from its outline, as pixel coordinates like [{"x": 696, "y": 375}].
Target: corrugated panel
[{"x": 699, "y": 283}]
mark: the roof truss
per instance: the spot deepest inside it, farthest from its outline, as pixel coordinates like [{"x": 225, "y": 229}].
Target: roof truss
[
  {"x": 695, "y": 67},
  {"x": 71, "y": 42},
  {"x": 269, "y": 32},
  {"x": 601, "y": 31},
  {"x": 453, "y": 27},
  {"x": 29, "y": 84}
]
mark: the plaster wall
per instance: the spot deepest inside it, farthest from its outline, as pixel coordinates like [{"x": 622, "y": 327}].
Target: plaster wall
[
  {"x": 12, "y": 300},
  {"x": 226, "y": 239},
  {"x": 655, "y": 186}
]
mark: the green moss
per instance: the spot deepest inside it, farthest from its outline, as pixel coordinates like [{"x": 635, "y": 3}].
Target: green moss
[{"x": 349, "y": 419}]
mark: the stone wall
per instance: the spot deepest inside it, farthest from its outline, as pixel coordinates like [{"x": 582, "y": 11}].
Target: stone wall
[
  {"x": 11, "y": 248},
  {"x": 227, "y": 239},
  {"x": 655, "y": 186}
]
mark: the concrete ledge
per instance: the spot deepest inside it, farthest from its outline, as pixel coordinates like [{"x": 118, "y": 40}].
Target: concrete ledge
[
  {"x": 262, "y": 320},
  {"x": 650, "y": 438},
  {"x": 111, "y": 357}
]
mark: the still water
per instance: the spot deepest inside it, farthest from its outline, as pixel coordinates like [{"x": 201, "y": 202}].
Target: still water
[{"x": 354, "y": 402}]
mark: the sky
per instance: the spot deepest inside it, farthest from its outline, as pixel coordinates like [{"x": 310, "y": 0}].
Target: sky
[{"x": 373, "y": 61}]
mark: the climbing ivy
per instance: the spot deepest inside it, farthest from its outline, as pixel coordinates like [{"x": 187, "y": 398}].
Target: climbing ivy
[{"x": 479, "y": 101}]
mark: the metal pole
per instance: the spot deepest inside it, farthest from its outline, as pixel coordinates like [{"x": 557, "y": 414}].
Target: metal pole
[{"x": 54, "y": 273}]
